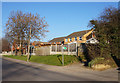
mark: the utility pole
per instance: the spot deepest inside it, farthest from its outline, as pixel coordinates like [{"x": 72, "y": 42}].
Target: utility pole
[{"x": 29, "y": 45}]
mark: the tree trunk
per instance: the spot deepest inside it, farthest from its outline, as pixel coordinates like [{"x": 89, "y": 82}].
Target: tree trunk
[
  {"x": 29, "y": 46},
  {"x": 28, "y": 51},
  {"x": 19, "y": 53},
  {"x": 12, "y": 50},
  {"x": 15, "y": 50}
]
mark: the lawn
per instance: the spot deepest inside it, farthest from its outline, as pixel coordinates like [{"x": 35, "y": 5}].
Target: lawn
[{"x": 50, "y": 59}]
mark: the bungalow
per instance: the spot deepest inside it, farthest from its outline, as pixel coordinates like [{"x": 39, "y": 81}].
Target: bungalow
[
  {"x": 37, "y": 44},
  {"x": 79, "y": 37},
  {"x": 15, "y": 48},
  {"x": 71, "y": 42},
  {"x": 58, "y": 40}
]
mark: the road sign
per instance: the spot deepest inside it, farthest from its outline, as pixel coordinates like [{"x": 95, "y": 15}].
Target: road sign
[{"x": 64, "y": 48}]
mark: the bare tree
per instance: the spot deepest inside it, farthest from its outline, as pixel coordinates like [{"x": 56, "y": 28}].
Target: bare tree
[
  {"x": 19, "y": 24},
  {"x": 5, "y": 45}
]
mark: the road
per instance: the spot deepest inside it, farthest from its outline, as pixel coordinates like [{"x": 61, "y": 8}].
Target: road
[{"x": 13, "y": 71}]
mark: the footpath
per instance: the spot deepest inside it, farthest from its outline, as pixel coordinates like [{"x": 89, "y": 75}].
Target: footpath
[{"x": 75, "y": 70}]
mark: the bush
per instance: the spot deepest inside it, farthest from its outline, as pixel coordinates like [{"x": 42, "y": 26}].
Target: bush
[
  {"x": 102, "y": 60},
  {"x": 93, "y": 50},
  {"x": 98, "y": 60}
]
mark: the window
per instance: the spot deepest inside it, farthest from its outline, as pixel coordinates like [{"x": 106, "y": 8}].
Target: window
[
  {"x": 70, "y": 39},
  {"x": 80, "y": 38},
  {"x": 75, "y": 38},
  {"x": 66, "y": 40}
]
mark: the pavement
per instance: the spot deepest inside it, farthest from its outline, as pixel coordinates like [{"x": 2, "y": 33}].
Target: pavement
[{"x": 15, "y": 70}]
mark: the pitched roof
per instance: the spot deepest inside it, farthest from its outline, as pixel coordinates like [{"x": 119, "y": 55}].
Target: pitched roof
[
  {"x": 39, "y": 42},
  {"x": 74, "y": 34},
  {"x": 59, "y": 39},
  {"x": 77, "y": 34}
]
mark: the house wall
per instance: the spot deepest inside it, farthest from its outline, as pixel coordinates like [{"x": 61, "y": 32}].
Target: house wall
[
  {"x": 87, "y": 34},
  {"x": 73, "y": 39},
  {"x": 79, "y": 41},
  {"x": 55, "y": 43},
  {"x": 84, "y": 38}
]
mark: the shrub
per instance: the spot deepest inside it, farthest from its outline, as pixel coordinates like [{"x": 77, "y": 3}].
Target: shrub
[
  {"x": 93, "y": 50},
  {"x": 97, "y": 60},
  {"x": 102, "y": 60}
]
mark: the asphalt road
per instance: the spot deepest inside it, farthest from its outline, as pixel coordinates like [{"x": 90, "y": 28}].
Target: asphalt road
[{"x": 12, "y": 71}]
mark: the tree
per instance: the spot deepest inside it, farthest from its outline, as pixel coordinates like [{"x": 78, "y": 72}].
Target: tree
[
  {"x": 107, "y": 30},
  {"x": 19, "y": 24},
  {"x": 5, "y": 45}
]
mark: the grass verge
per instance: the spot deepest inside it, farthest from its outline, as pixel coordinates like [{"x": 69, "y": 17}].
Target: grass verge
[{"x": 50, "y": 59}]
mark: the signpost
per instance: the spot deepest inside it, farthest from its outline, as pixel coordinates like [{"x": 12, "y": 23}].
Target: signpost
[{"x": 63, "y": 48}]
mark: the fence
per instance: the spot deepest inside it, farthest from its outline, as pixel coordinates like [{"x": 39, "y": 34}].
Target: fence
[
  {"x": 44, "y": 50},
  {"x": 71, "y": 49}
]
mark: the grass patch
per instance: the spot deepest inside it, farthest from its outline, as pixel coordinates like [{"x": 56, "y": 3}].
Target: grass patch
[{"x": 50, "y": 60}]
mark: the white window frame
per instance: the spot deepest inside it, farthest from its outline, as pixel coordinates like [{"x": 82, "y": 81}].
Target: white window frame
[
  {"x": 70, "y": 39},
  {"x": 80, "y": 38},
  {"x": 66, "y": 40},
  {"x": 75, "y": 38}
]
